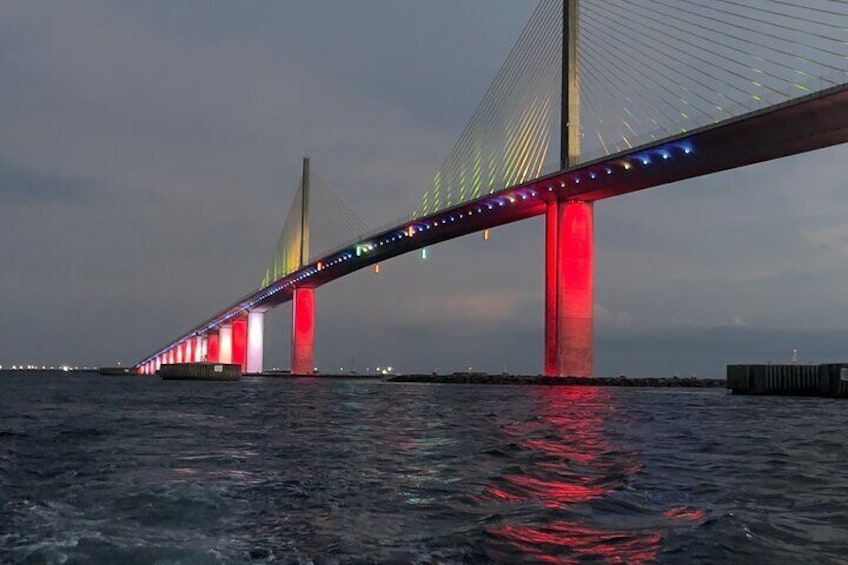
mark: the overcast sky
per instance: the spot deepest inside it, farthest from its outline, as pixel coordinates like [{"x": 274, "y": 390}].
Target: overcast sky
[{"x": 149, "y": 151}]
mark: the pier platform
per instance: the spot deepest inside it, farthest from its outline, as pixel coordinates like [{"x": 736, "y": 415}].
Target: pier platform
[
  {"x": 200, "y": 372},
  {"x": 827, "y": 380}
]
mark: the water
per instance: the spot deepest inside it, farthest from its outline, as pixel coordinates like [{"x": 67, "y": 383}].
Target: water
[{"x": 134, "y": 470}]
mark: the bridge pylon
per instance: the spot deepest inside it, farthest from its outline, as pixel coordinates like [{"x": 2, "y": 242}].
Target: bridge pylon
[
  {"x": 303, "y": 300},
  {"x": 569, "y": 237}
]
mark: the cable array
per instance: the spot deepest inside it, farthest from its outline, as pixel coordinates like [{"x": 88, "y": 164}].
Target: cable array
[
  {"x": 647, "y": 70},
  {"x": 508, "y": 138},
  {"x": 331, "y": 221},
  {"x": 651, "y": 69}
]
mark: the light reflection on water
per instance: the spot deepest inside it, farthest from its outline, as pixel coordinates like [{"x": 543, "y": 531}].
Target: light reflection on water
[{"x": 577, "y": 463}]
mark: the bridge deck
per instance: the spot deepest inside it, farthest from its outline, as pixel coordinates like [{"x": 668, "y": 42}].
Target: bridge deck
[{"x": 813, "y": 122}]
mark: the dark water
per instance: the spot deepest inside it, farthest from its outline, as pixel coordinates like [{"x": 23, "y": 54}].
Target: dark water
[{"x": 134, "y": 470}]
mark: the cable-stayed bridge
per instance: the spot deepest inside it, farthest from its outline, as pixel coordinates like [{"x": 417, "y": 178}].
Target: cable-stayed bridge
[{"x": 597, "y": 98}]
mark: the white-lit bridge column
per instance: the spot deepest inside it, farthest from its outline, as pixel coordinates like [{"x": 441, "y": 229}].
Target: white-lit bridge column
[
  {"x": 197, "y": 350},
  {"x": 255, "y": 341},
  {"x": 204, "y": 348},
  {"x": 225, "y": 343}
]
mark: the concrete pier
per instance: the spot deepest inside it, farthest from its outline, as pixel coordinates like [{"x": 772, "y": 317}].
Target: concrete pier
[{"x": 828, "y": 380}]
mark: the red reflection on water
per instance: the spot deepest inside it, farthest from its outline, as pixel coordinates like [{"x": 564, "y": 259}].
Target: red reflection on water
[
  {"x": 555, "y": 493},
  {"x": 545, "y": 544},
  {"x": 685, "y": 514},
  {"x": 579, "y": 464},
  {"x": 575, "y": 464}
]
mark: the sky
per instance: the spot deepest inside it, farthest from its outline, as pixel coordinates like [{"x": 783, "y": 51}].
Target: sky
[{"x": 150, "y": 151}]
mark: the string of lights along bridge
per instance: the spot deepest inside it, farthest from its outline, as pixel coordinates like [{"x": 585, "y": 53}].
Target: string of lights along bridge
[{"x": 587, "y": 106}]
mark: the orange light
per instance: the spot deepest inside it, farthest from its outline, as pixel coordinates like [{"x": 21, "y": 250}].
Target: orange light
[
  {"x": 377, "y": 269},
  {"x": 485, "y": 235}
]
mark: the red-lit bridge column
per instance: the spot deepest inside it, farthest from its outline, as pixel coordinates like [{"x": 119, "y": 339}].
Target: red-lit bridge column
[
  {"x": 212, "y": 347},
  {"x": 303, "y": 332},
  {"x": 569, "y": 289},
  {"x": 240, "y": 342}
]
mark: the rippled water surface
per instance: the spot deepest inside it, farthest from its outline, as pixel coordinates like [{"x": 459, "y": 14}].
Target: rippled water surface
[{"x": 134, "y": 470}]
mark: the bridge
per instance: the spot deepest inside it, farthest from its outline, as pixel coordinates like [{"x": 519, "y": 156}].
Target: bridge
[{"x": 684, "y": 89}]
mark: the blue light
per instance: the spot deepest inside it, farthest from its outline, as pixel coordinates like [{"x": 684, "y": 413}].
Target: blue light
[
  {"x": 593, "y": 176},
  {"x": 489, "y": 206},
  {"x": 609, "y": 171}
]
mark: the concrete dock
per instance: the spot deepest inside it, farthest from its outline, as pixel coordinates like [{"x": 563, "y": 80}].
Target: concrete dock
[{"x": 827, "y": 380}]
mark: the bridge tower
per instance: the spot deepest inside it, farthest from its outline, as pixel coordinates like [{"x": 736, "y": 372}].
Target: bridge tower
[
  {"x": 303, "y": 299},
  {"x": 569, "y": 237}
]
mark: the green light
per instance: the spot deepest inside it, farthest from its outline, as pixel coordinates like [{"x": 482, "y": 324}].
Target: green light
[{"x": 424, "y": 253}]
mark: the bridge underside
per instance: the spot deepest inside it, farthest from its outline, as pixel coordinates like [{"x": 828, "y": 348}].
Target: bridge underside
[{"x": 805, "y": 124}]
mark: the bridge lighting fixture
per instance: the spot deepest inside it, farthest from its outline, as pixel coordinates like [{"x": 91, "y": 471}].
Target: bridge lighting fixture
[
  {"x": 411, "y": 231},
  {"x": 627, "y": 166},
  {"x": 485, "y": 235},
  {"x": 377, "y": 269},
  {"x": 593, "y": 176},
  {"x": 424, "y": 253}
]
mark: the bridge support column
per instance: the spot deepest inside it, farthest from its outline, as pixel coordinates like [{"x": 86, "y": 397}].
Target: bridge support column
[
  {"x": 569, "y": 289},
  {"x": 204, "y": 348},
  {"x": 198, "y": 349},
  {"x": 188, "y": 356},
  {"x": 240, "y": 342},
  {"x": 225, "y": 343},
  {"x": 303, "y": 332},
  {"x": 255, "y": 342},
  {"x": 212, "y": 347}
]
